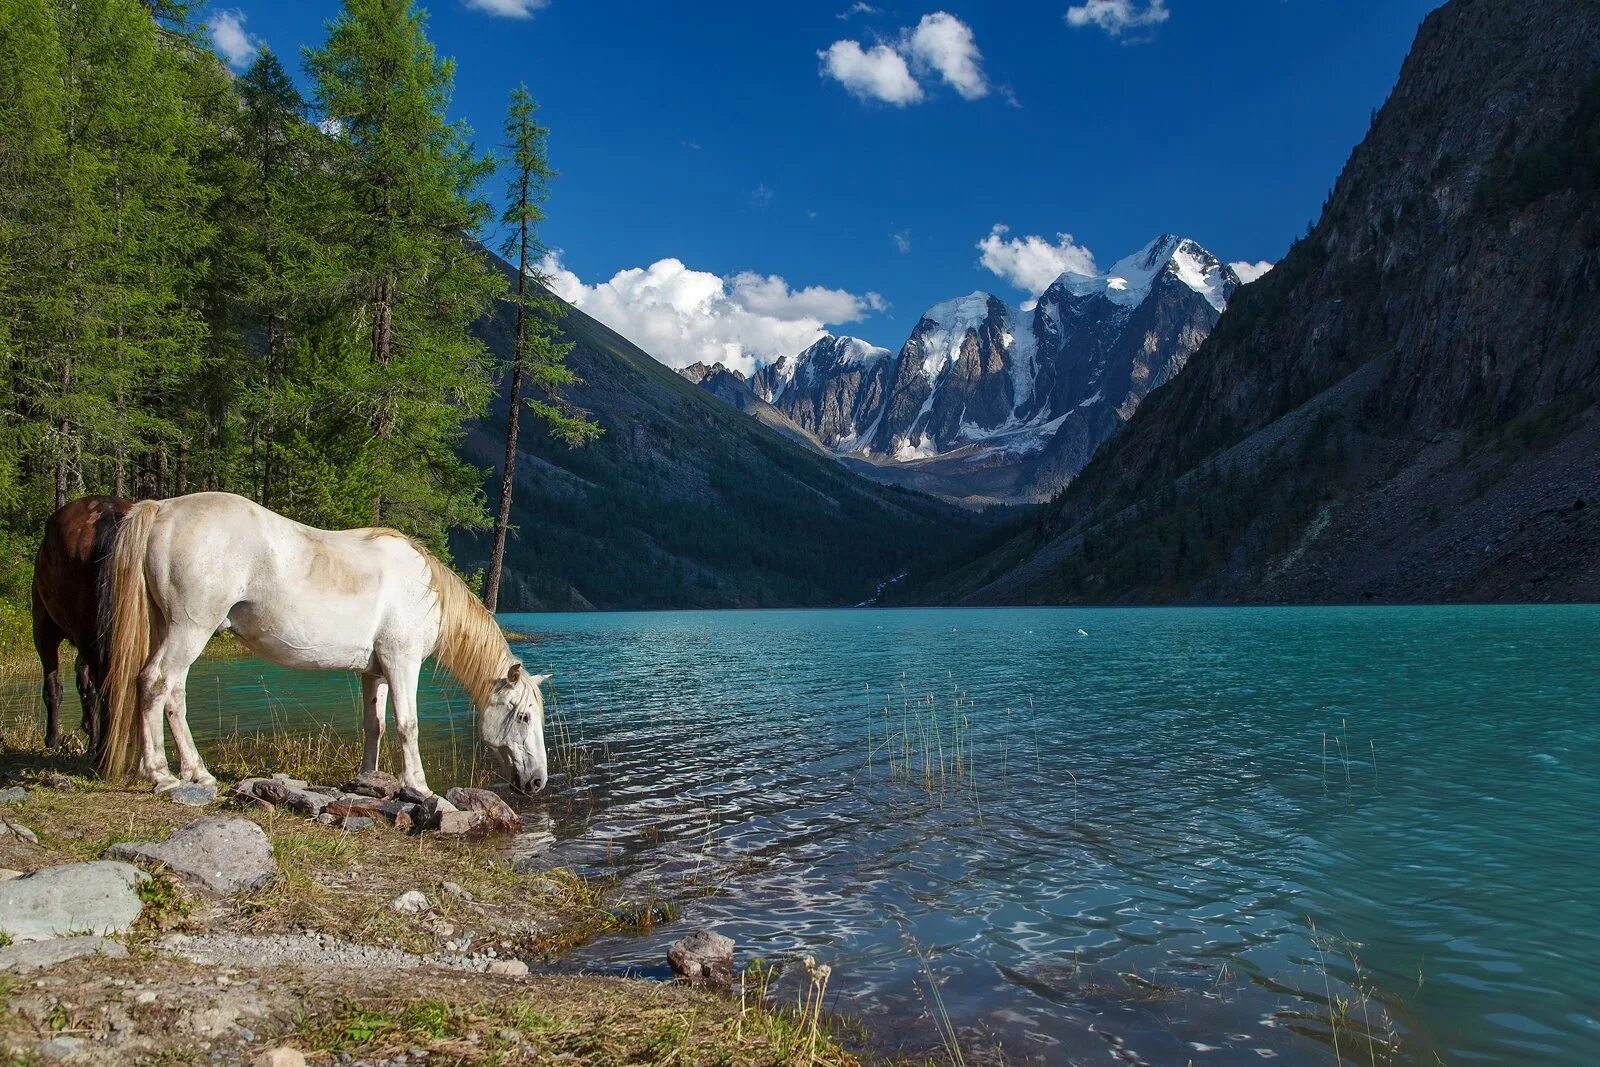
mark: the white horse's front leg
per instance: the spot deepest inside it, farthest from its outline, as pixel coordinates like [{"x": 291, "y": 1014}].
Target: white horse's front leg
[
  {"x": 403, "y": 695},
  {"x": 374, "y": 703}
]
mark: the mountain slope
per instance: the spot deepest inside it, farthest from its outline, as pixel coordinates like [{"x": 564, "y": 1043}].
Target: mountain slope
[
  {"x": 986, "y": 402},
  {"x": 685, "y": 502},
  {"x": 1405, "y": 407}
]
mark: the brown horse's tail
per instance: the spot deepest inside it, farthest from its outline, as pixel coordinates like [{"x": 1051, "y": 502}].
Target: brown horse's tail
[{"x": 128, "y": 640}]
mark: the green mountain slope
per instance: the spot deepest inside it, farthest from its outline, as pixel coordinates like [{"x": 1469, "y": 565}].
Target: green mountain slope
[
  {"x": 685, "y": 501},
  {"x": 1404, "y": 409}
]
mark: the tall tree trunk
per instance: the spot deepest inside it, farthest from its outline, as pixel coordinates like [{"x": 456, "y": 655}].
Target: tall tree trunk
[
  {"x": 61, "y": 437},
  {"x": 502, "y": 520}
]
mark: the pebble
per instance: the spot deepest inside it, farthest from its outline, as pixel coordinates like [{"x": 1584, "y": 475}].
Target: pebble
[
  {"x": 356, "y": 822},
  {"x": 282, "y": 1056},
  {"x": 411, "y": 902},
  {"x": 508, "y": 967},
  {"x": 13, "y": 794},
  {"x": 61, "y": 1048},
  {"x": 455, "y": 890},
  {"x": 193, "y": 794}
]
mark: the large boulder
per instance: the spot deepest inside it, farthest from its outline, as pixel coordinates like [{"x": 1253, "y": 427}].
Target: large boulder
[
  {"x": 35, "y": 955},
  {"x": 222, "y": 855},
  {"x": 72, "y": 898},
  {"x": 497, "y": 814}
]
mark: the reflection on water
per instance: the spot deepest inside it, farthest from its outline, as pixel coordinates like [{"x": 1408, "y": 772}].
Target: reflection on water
[{"x": 1154, "y": 836}]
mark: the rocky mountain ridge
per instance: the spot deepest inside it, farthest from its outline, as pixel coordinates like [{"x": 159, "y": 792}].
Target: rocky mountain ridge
[{"x": 989, "y": 402}]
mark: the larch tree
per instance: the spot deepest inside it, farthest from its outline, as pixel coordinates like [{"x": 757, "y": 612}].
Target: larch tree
[{"x": 538, "y": 356}]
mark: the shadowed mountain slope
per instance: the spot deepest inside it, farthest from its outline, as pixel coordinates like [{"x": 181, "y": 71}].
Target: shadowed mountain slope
[
  {"x": 685, "y": 501},
  {"x": 1404, "y": 409}
]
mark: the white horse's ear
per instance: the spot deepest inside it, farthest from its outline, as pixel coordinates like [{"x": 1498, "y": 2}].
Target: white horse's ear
[
  {"x": 514, "y": 673},
  {"x": 539, "y": 679}
]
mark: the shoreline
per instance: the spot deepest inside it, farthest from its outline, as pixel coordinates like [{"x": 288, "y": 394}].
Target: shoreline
[{"x": 325, "y": 960}]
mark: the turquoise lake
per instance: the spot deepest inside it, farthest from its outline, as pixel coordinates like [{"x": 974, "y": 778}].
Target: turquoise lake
[{"x": 1088, "y": 835}]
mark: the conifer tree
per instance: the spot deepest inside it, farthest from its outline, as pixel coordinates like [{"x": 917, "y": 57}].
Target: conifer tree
[
  {"x": 537, "y": 355},
  {"x": 405, "y": 198}
]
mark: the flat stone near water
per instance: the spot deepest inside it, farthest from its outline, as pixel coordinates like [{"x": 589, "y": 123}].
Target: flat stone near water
[
  {"x": 379, "y": 784},
  {"x": 497, "y": 814},
  {"x": 221, "y": 855},
  {"x": 36, "y": 955},
  {"x": 72, "y": 898},
  {"x": 285, "y": 792},
  {"x": 703, "y": 956}
]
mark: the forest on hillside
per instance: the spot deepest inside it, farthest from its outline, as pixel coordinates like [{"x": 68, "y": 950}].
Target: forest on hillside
[{"x": 214, "y": 281}]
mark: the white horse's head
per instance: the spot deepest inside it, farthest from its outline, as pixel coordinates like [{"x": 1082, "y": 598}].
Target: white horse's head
[{"x": 512, "y": 728}]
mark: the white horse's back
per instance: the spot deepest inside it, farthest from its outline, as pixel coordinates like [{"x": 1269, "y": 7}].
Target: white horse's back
[{"x": 302, "y": 597}]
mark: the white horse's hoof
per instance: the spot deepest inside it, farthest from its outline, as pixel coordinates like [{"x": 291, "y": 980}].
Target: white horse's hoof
[{"x": 166, "y": 783}]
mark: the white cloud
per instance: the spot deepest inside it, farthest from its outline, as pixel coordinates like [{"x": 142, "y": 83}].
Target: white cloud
[
  {"x": 943, "y": 43},
  {"x": 902, "y": 241},
  {"x": 331, "y": 127},
  {"x": 1249, "y": 272},
  {"x": 1116, "y": 17},
  {"x": 878, "y": 73},
  {"x": 940, "y": 44},
  {"x": 1031, "y": 263},
  {"x": 857, "y": 9},
  {"x": 760, "y": 196},
  {"x": 237, "y": 46},
  {"x": 679, "y": 315},
  {"x": 511, "y": 9}
]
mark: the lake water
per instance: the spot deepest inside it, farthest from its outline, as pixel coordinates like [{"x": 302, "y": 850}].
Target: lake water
[{"x": 1072, "y": 835}]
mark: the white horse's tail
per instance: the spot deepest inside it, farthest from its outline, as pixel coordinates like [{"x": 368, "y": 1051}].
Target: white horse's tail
[{"x": 128, "y": 640}]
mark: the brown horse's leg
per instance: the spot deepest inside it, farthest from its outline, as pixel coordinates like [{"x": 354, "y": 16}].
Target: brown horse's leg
[
  {"x": 88, "y": 694},
  {"x": 47, "y": 639}
]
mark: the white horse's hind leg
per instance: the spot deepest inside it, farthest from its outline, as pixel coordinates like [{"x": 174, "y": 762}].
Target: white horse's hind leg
[
  {"x": 403, "y": 695},
  {"x": 374, "y": 698},
  {"x": 161, "y": 688}
]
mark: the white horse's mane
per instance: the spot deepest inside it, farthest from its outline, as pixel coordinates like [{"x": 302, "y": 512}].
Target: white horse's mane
[{"x": 471, "y": 644}]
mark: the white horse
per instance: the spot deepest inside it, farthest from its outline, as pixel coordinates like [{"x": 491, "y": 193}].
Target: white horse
[{"x": 370, "y": 601}]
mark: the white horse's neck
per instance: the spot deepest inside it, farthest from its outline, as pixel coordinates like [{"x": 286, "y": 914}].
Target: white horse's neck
[{"x": 471, "y": 645}]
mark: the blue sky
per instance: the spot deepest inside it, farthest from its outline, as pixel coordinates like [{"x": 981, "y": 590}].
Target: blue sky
[{"x": 760, "y": 171}]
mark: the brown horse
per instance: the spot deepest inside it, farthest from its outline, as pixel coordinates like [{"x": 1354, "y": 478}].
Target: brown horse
[{"x": 68, "y": 604}]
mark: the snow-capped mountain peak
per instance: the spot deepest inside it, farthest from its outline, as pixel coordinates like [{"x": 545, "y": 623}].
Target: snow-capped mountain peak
[
  {"x": 983, "y": 386},
  {"x": 1130, "y": 278}
]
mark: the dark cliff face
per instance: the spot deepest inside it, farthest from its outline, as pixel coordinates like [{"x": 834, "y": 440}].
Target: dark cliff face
[{"x": 1409, "y": 390}]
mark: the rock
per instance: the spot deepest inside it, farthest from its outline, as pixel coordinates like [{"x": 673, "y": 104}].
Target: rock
[
  {"x": 17, "y": 830},
  {"x": 223, "y": 854},
  {"x": 61, "y": 1049},
  {"x": 455, "y": 890},
  {"x": 459, "y": 822},
  {"x": 511, "y": 967},
  {"x": 703, "y": 956},
  {"x": 356, "y": 822},
  {"x": 34, "y": 955},
  {"x": 6, "y": 874},
  {"x": 408, "y": 795},
  {"x": 411, "y": 902},
  {"x": 497, "y": 814},
  {"x": 285, "y": 792},
  {"x": 380, "y": 784},
  {"x": 349, "y": 807},
  {"x": 72, "y": 898},
  {"x": 283, "y": 1056},
  {"x": 13, "y": 794},
  {"x": 193, "y": 794}
]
